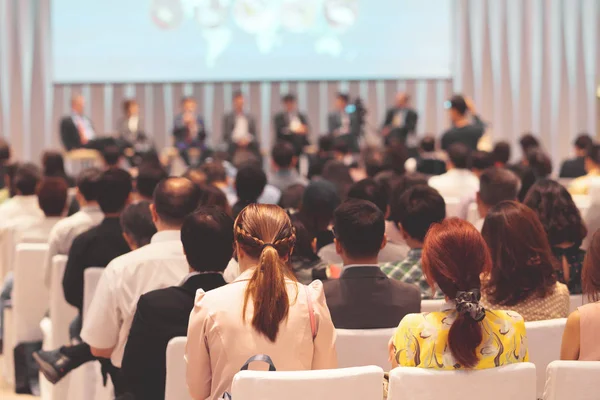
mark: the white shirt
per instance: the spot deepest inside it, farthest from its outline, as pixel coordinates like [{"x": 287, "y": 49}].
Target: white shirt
[
  {"x": 240, "y": 129},
  {"x": 17, "y": 207},
  {"x": 133, "y": 123},
  {"x": 83, "y": 122},
  {"x": 456, "y": 183},
  {"x": 64, "y": 232},
  {"x": 157, "y": 265},
  {"x": 344, "y": 124}
]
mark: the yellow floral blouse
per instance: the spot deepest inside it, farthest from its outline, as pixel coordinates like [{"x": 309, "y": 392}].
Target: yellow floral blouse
[{"x": 421, "y": 340}]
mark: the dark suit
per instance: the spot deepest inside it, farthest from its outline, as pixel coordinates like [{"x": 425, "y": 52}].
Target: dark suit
[
  {"x": 161, "y": 315},
  {"x": 281, "y": 121},
  {"x": 334, "y": 123},
  {"x": 573, "y": 168},
  {"x": 69, "y": 134},
  {"x": 229, "y": 126},
  {"x": 365, "y": 298},
  {"x": 408, "y": 126},
  {"x": 431, "y": 166},
  {"x": 184, "y": 139}
]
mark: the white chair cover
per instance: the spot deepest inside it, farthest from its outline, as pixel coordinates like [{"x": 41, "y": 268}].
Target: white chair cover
[
  {"x": 175, "y": 385},
  {"x": 362, "y": 347},
  {"x": 61, "y": 312},
  {"x": 432, "y": 305},
  {"x": 572, "y": 380},
  {"x": 91, "y": 278},
  {"x": 514, "y": 382},
  {"x": 452, "y": 207},
  {"x": 473, "y": 213},
  {"x": 360, "y": 383},
  {"x": 544, "y": 340}
]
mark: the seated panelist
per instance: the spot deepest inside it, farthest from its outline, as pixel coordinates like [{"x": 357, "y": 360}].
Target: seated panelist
[
  {"x": 188, "y": 129},
  {"x": 291, "y": 125},
  {"x": 76, "y": 129},
  {"x": 239, "y": 127}
]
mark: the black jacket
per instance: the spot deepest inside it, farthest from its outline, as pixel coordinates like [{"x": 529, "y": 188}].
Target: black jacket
[
  {"x": 573, "y": 168},
  {"x": 161, "y": 315},
  {"x": 409, "y": 125},
  {"x": 468, "y": 135},
  {"x": 69, "y": 134}
]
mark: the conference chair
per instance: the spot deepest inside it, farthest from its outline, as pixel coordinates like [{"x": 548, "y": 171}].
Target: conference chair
[
  {"x": 452, "y": 206},
  {"x": 544, "y": 340},
  {"x": 362, "y": 347},
  {"x": 572, "y": 380},
  {"x": 175, "y": 384},
  {"x": 473, "y": 213},
  {"x": 432, "y": 305},
  {"x": 360, "y": 383},
  {"x": 515, "y": 382}
]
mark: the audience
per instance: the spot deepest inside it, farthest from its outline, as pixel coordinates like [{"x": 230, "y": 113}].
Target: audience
[
  {"x": 24, "y": 203},
  {"x": 522, "y": 275},
  {"x": 581, "y": 185},
  {"x": 317, "y": 162},
  {"x": 364, "y": 297},
  {"x": 428, "y": 162},
  {"x": 211, "y": 196},
  {"x": 196, "y": 175},
  {"x": 338, "y": 174},
  {"x": 459, "y": 181},
  {"x": 527, "y": 143},
  {"x": 291, "y": 197},
  {"x": 480, "y": 161},
  {"x": 564, "y": 227},
  {"x": 501, "y": 154},
  {"x": 284, "y": 173},
  {"x": 575, "y": 167},
  {"x": 163, "y": 314},
  {"x": 318, "y": 204},
  {"x": 464, "y": 335},
  {"x": 53, "y": 165},
  {"x": 250, "y": 183},
  {"x": 137, "y": 225},
  {"x": 418, "y": 209},
  {"x": 306, "y": 264},
  {"x": 495, "y": 185},
  {"x": 112, "y": 156},
  {"x": 264, "y": 311},
  {"x": 149, "y": 176},
  {"x": 392, "y": 231}
]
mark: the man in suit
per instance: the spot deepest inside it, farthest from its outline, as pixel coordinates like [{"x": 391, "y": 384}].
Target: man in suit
[
  {"x": 291, "y": 125},
  {"x": 131, "y": 135},
  {"x": 239, "y": 127},
  {"x": 163, "y": 314},
  {"x": 364, "y": 297},
  {"x": 76, "y": 130},
  {"x": 188, "y": 129},
  {"x": 400, "y": 121},
  {"x": 575, "y": 167},
  {"x": 343, "y": 125}
]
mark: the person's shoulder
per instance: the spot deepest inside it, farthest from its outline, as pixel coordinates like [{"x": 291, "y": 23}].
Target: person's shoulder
[
  {"x": 406, "y": 289},
  {"x": 416, "y": 320},
  {"x": 508, "y": 316},
  {"x": 162, "y": 298}
]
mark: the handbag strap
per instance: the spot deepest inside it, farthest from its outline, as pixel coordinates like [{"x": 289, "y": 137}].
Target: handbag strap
[
  {"x": 311, "y": 313},
  {"x": 259, "y": 357}
]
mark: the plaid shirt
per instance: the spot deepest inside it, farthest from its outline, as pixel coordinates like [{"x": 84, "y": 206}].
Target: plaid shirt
[{"x": 409, "y": 271}]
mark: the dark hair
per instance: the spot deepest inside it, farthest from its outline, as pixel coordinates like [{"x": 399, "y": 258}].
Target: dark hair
[
  {"x": 481, "y": 160},
  {"x": 590, "y": 275},
  {"x": 594, "y": 154},
  {"x": 557, "y": 211},
  {"x": 114, "y": 188},
  {"x": 340, "y": 146},
  {"x": 136, "y": 222},
  {"x": 54, "y": 164},
  {"x": 326, "y": 143},
  {"x": 359, "y": 227},
  {"x": 175, "y": 199},
  {"x": 501, "y": 152},
  {"x": 459, "y": 155},
  {"x": 88, "y": 183},
  {"x": 250, "y": 183},
  {"x": 539, "y": 163},
  {"x": 458, "y": 103},
  {"x": 288, "y": 98},
  {"x": 283, "y": 154},
  {"x": 527, "y": 142},
  {"x": 498, "y": 184},
  {"x": 343, "y": 96},
  {"x": 583, "y": 142},
  {"x": 319, "y": 201},
  {"x": 52, "y": 196},
  {"x": 338, "y": 173},
  {"x": 303, "y": 250},
  {"x": 196, "y": 175},
  {"x": 214, "y": 171},
  {"x": 404, "y": 183},
  {"x": 4, "y": 151},
  {"x": 207, "y": 237},
  {"x": 373, "y": 160},
  {"x": 395, "y": 157},
  {"x": 27, "y": 177},
  {"x": 521, "y": 256},
  {"x": 291, "y": 197},
  {"x": 454, "y": 256},
  {"x": 368, "y": 189},
  {"x": 418, "y": 209},
  {"x": 148, "y": 178},
  {"x": 111, "y": 155},
  {"x": 211, "y": 196},
  {"x": 427, "y": 144}
]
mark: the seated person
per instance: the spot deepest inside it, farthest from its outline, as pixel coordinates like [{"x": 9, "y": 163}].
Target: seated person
[
  {"x": 495, "y": 185},
  {"x": 24, "y": 203},
  {"x": 480, "y": 161},
  {"x": 188, "y": 129},
  {"x": 342, "y": 125},
  {"x": 419, "y": 208},
  {"x": 364, "y": 297},
  {"x": 53, "y": 165},
  {"x": 291, "y": 198},
  {"x": 163, "y": 314},
  {"x": 112, "y": 156},
  {"x": 76, "y": 130},
  {"x": 291, "y": 125},
  {"x": 400, "y": 186},
  {"x": 501, "y": 154},
  {"x": 458, "y": 181},
  {"x": 196, "y": 175},
  {"x": 575, "y": 167},
  {"x": 283, "y": 166},
  {"x": 564, "y": 228},
  {"x": 522, "y": 276},
  {"x": 459, "y": 336},
  {"x": 464, "y": 130},
  {"x": 250, "y": 183},
  {"x": 264, "y": 311},
  {"x": 428, "y": 162},
  {"x": 239, "y": 128},
  {"x": 131, "y": 133},
  {"x": 149, "y": 176},
  {"x": 582, "y": 184},
  {"x": 580, "y": 340},
  {"x": 324, "y": 154}
]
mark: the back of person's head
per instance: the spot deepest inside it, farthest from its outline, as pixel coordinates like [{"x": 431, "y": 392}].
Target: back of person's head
[
  {"x": 501, "y": 153},
  {"x": 522, "y": 262},
  {"x": 207, "y": 237},
  {"x": 590, "y": 275},
  {"x": 459, "y": 155},
  {"x": 265, "y": 233},
  {"x": 319, "y": 201},
  {"x": 341, "y": 147},
  {"x": 427, "y": 144},
  {"x": 53, "y": 164},
  {"x": 5, "y": 152},
  {"x": 454, "y": 256},
  {"x": 250, "y": 182},
  {"x": 114, "y": 188},
  {"x": 283, "y": 155},
  {"x": 583, "y": 142},
  {"x": 395, "y": 157},
  {"x": 373, "y": 160},
  {"x": 291, "y": 197},
  {"x": 149, "y": 176},
  {"x": 481, "y": 160},
  {"x": 539, "y": 162},
  {"x": 52, "y": 196},
  {"x": 196, "y": 175},
  {"x": 212, "y": 196},
  {"x": 403, "y": 185},
  {"x": 27, "y": 177},
  {"x": 496, "y": 185},
  {"x": 359, "y": 227},
  {"x": 303, "y": 250},
  {"x": 243, "y": 157},
  {"x": 326, "y": 143},
  {"x": 111, "y": 155},
  {"x": 458, "y": 104},
  {"x": 528, "y": 142},
  {"x": 215, "y": 172},
  {"x": 557, "y": 211},
  {"x": 137, "y": 225},
  {"x": 88, "y": 183},
  {"x": 368, "y": 189},
  {"x": 418, "y": 209},
  {"x": 593, "y": 155},
  {"x": 175, "y": 199},
  {"x": 388, "y": 181},
  {"x": 338, "y": 174}
]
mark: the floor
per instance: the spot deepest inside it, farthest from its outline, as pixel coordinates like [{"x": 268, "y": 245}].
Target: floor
[{"x": 7, "y": 393}]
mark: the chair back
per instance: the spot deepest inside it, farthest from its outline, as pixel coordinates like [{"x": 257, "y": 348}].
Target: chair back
[
  {"x": 473, "y": 213},
  {"x": 432, "y": 305},
  {"x": 30, "y": 294},
  {"x": 61, "y": 312},
  {"x": 452, "y": 206},
  {"x": 515, "y": 382},
  {"x": 175, "y": 385},
  {"x": 544, "y": 340},
  {"x": 362, "y": 347},
  {"x": 91, "y": 278},
  {"x": 572, "y": 380},
  {"x": 358, "y": 383}
]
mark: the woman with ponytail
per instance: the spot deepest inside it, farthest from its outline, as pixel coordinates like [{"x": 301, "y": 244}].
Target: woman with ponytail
[
  {"x": 264, "y": 311},
  {"x": 463, "y": 335}
]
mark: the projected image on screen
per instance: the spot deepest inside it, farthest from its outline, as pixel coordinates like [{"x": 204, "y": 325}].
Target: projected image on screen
[{"x": 232, "y": 40}]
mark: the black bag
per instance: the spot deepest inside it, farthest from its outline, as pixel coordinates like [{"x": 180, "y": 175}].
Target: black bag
[{"x": 258, "y": 357}]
